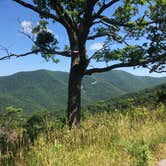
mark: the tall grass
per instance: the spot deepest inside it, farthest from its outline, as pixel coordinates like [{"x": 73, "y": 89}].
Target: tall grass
[{"x": 128, "y": 138}]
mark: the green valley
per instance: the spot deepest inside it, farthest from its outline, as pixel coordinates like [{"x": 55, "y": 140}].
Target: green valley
[{"x": 47, "y": 90}]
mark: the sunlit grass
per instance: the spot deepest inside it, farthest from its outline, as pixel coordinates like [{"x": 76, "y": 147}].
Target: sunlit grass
[{"x": 113, "y": 139}]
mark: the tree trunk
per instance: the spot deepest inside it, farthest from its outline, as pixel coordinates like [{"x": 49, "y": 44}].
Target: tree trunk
[
  {"x": 79, "y": 63},
  {"x": 74, "y": 97}
]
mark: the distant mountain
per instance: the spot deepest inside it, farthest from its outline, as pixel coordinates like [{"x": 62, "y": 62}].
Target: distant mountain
[
  {"x": 47, "y": 90},
  {"x": 149, "y": 98}
]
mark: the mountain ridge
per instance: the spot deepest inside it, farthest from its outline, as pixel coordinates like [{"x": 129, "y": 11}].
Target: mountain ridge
[{"x": 47, "y": 90}]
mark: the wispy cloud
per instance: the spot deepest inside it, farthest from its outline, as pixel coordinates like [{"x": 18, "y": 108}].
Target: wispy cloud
[
  {"x": 96, "y": 46},
  {"x": 27, "y": 26}
]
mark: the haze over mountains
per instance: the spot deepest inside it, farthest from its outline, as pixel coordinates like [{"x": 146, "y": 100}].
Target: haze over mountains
[{"x": 47, "y": 90}]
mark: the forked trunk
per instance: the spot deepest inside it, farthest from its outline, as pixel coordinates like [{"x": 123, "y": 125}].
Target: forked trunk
[{"x": 74, "y": 98}]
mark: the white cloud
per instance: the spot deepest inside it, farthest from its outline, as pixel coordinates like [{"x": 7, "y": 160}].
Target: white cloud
[
  {"x": 49, "y": 30},
  {"x": 26, "y": 26},
  {"x": 96, "y": 46}
]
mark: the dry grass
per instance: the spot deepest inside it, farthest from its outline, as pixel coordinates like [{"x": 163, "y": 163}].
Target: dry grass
[{"x": 106, "y": 139}]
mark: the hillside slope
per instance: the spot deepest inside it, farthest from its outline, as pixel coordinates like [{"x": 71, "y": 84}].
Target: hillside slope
[
  {"x": 47, "y": 90},
  {"x": 149, "y": 98}
]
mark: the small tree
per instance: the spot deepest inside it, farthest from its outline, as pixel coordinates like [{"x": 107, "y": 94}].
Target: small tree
[{"x": 86, "y": 20}]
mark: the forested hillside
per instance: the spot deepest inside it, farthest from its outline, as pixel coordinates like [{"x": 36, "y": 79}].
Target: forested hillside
[
  {"x": 47, "y": 90},
  {"x": 149, "y": 98}
]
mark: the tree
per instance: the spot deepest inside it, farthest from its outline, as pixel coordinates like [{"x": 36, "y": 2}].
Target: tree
[{"x": 84, "y": 20}]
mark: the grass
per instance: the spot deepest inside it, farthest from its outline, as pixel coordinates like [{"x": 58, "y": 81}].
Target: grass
[{"x": 136, "y": 138}]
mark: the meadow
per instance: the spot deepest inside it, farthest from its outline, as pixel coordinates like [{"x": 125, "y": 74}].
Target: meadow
[{"x": 122, "y": 138}]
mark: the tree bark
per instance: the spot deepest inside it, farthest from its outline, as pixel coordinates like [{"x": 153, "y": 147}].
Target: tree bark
[
  {"x": 79, "y": 63},
  {"x": 74, "y": 97}
]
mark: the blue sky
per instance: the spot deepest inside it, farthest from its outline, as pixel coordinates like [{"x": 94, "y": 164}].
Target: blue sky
[{"x": 10, "y": 16}]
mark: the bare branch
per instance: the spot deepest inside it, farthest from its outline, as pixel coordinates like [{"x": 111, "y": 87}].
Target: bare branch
[
  {"x": 133, "y": 24},
  {"x": 63, "y": 15},
  {"x": 104, "y": 46},
  {"x": 62, "y": 53},
  {"x": 34, "y": 8},
  {"x": 28, "y": 36},
  {"x": 115, "y": 36},
  {"x": 152, "y": 70},
  {"x": 129, "y": 64},
  {"x": 9, "y": 55},
  {"x": 100, "y": 70},
  {"x": 93, "y": 37},
  {"x": 105, "y": 6}
]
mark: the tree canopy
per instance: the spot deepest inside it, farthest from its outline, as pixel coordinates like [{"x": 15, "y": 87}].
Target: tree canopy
[
  {"x": 137, "y": 27},
  {"x": 117, "y": 21}
]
